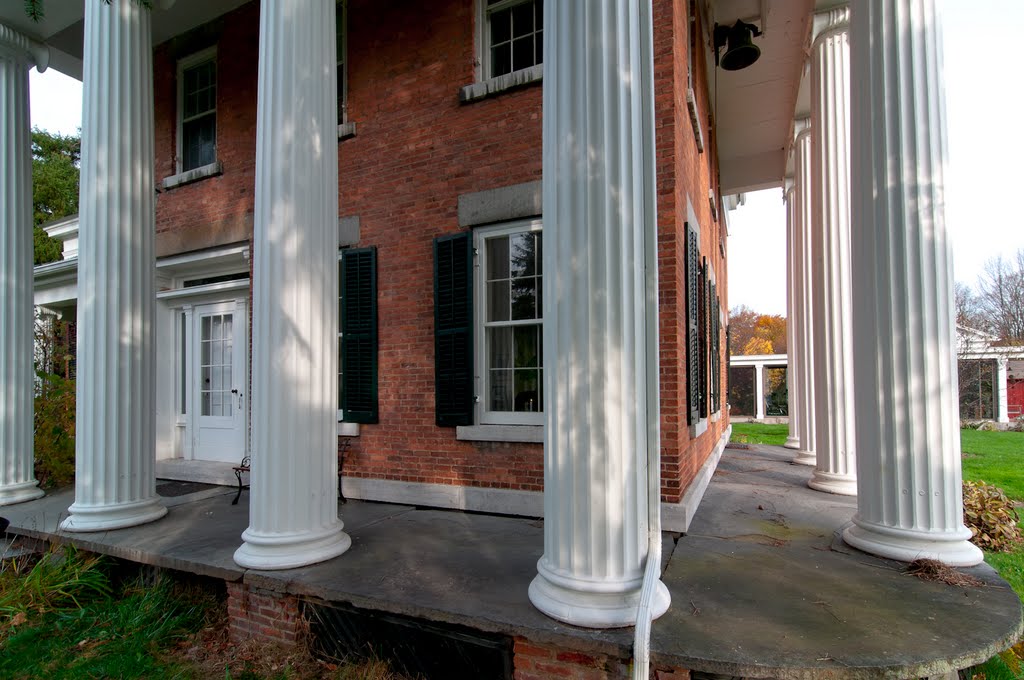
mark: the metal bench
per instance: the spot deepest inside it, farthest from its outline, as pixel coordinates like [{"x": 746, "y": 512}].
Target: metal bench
[{"x": 245, "y": 467}]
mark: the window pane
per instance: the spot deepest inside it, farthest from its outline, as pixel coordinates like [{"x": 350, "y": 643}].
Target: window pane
[
  {"x": 538, "y": 16},
  {"x": 524, "y": 299},
  {"x": 527, "y": 390},
  {"x": 527, "y": 346},
  {"x": 198, "y": 142},
  {"x": 524, "y": 255},
  {"x": 522, "y": 53},
  {"x": 497, "y": 301},
  {"x": 206, "y": 377},
  {"x": 522, "y": 20},
  {"x": 501, "y": 390},
  {"x": 205, "y": 404},
  {"x": 501, "y": 59},
  {"x": 497, "y": 258},
  {"x": 205, "y": 351},
  {"x": 501, "y": 26},
  {"x": 500, "y": 341},
  {"x": 538, "y": 45}
]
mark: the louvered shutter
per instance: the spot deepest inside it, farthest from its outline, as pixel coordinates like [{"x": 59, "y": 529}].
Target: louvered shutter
[
  {"x": 453, "y": 330},
  {"x": 359, "y": 335},
  {"x": 702, "y": 337},
  {"x": 692, "y": 359}
]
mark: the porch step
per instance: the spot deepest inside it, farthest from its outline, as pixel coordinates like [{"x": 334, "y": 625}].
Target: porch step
[{"x": 204, "y": 471}]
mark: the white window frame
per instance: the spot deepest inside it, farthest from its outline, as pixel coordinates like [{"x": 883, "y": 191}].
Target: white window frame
[
  {"x": 483, "y": 415},
  {"x": 341, "y": 10},
  {"x": 483, "y": 37},
  {"x": 191, "y": 61}
]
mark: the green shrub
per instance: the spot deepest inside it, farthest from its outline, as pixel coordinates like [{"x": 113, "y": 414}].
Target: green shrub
[
  {"x": 991, "y": 517},
  {"x": 54, "y": 430}
]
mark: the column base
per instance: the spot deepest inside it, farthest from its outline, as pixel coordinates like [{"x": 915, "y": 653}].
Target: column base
[
  {"x": 792, "y": 443},
  {"x": 288, "y": 551},
  {"x": 952, "y": 548},
  {"x": 85, "y": 518},
  {"x": 829, "y": 482},
  {"x": 20, "y": 492},
  {"x": 804, "y": 457},
  {"x": 579, "y": 602}
]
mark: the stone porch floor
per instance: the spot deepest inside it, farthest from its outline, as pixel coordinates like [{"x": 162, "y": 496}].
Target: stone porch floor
[{"x": 761, "y": 585}]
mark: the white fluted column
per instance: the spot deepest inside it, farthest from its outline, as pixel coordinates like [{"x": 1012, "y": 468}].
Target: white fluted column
[
  {"x": 17, "y": 460},
  {"x": 759, "y": 391},
  {"x": 293, "y": 507},
  {"x": 1002, "y": 398},
  {"x": 600, "y": 337},
  {"x": 792, "y": 344},
  {"x": 115, "y": 435},
  {"x": 910, "y": 503},
  {"x": 835, "y": 445},
  {"x": 803, "y": 309}
]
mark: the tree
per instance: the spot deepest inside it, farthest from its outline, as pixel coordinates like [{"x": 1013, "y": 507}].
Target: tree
[
  {"x": 34, "y": 8},
  {"x": 1000, "y": 298},
  {"x": 55, "y": 161},
  {"x": 753, "y": 333}
]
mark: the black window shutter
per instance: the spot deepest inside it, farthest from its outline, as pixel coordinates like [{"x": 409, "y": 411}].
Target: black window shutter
[
  {"x": 692, "y": 360},
  {"x": 702, "y": 337},
  {"x": 359, "y": 335},
  {"x": 453, "y": 330}
]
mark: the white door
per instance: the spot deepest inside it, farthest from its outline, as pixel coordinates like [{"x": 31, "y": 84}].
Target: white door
[{"x": 218, "y": 383}]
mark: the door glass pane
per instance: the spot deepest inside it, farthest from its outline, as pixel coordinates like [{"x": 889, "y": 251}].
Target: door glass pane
[{"x": 215, "y": 369}]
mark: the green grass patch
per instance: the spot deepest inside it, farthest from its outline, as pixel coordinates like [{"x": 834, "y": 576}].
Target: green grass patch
[
  {"x": 759, "y": 433},
  {"x": 995, "y": 457},
  {"x": 61, "y": 618}
]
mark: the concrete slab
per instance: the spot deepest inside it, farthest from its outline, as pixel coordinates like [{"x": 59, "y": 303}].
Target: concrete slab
[{"x": 761, "y": 586}]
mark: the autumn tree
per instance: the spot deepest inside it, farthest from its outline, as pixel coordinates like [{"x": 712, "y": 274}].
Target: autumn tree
[{"x": 753, "y": 333}]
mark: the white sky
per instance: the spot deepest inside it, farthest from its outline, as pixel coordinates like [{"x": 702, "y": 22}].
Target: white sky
[{"x": 984, "y": 98}]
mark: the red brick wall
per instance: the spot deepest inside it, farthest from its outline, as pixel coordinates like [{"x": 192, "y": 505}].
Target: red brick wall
[
  {"x": 533, "y": 661},
  {"x": 684, "y": 176},
  {"x": 254, "y": 613},
  {"x": 416, "y": 150}
]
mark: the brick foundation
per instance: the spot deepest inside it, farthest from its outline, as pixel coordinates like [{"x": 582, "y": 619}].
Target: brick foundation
[
  {"x": 265, "y": 615},
  {"x": 542, "y": 662}
]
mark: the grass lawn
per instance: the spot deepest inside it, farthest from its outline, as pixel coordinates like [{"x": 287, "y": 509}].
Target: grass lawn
[
  {"x": 998, "y": 458},
  {"x": 758, "y": 433},
  {"x": 995, "y": 457}
]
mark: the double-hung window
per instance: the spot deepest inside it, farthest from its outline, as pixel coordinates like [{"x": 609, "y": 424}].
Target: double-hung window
[
  {"x": 197, "y": 110},
  {"x": 510, "y": 353},
  {"x": 512, "y": 35}
]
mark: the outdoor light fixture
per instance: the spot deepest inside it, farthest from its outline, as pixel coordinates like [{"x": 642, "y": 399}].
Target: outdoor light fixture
[{"x": 740, "y": 50}]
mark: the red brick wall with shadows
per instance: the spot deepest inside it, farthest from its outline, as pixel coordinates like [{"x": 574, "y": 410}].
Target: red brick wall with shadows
[{"x": 415, "y": 151}]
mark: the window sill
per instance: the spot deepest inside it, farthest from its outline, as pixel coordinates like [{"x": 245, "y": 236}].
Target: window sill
[
  {"x": 495, "y": 86},
  {"x": 501, "y": 433},
  {"x": 194, "y": 175},
  {"x": 716, "y": 416},
  {"x": 348, "y": 429},
  {"x": 700, "y": 428},
  {"x": 346, "y": 130}
]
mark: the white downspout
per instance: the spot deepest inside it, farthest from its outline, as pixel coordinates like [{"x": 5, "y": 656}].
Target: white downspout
[{"x": 652, "y": 569}]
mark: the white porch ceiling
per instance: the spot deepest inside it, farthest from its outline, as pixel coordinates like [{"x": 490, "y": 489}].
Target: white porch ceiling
[
  {"x": 754, "y": 108},
  {"x": 62, "y": 25}
]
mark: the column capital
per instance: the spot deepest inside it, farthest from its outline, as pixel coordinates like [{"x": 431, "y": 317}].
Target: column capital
[
  {"x": 788, "y": 187},
  {"x": 22, "y": 48},
  {"x": 829, "y": 22},
  {"x": 801, "y": 128}
]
